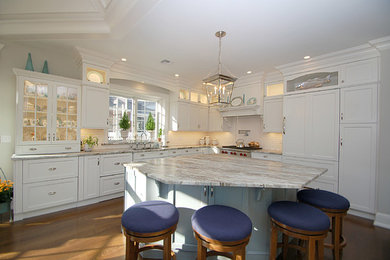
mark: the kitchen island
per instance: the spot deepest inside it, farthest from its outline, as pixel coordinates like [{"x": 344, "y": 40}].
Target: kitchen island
[{"x": 191, "y": 182}]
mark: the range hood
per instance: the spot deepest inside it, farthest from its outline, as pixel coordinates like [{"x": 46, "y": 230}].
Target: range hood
[{"x": 251, "y": 110}]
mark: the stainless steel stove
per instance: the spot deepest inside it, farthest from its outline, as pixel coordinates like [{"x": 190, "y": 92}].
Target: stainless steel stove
[{"x": 238, "y": 151}]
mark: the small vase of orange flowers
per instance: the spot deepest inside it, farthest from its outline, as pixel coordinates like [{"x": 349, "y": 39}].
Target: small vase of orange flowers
[{"x": 6, "y": 193}]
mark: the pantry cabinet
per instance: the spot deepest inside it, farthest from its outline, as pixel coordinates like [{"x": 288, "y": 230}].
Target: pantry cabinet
[{"x": 47, "y": 113}]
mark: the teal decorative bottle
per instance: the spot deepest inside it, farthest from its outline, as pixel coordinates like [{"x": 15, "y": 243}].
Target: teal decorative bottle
[
  {"x": 29, "y": 65},
  {"x": 45, "y": 68}
]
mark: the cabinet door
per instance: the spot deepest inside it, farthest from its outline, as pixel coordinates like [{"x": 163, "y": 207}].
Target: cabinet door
[
  {"x": 91, "y": 176},
  {"x": 273, "y": 115},
  {"x": 358, "y": 165},
  {"x": 359, "y": 104},
  {"x": 95, "y": 107},
  {"x": 34, "y": 111},
  {"x": 183, "y": 117},
  {"x": 202, "y": 115},
  {"x": 360, "y": 72},
  {"x": 294, "y": 125},
  {"x": 322, "y": 137},
  {"x": 66, "y": 107},
  {"x": 113, "y": 163},
  {"x": 215, "y": 120}
]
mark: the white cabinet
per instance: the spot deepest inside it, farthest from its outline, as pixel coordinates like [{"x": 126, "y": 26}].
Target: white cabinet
[
  {"x": 359, "y": 104},
  {"x": 112, "y": 184},
  {"x": 273, "y": 114},
  {"x": 189, "y": 117},
  {"x": 47, "y": 183},
  {"x": 215, "y": 120},
  {"x": 90, "y": 177},
  {"x": 358, "y": 165},
  {"x": 360, "y": 72},
  {"x": 198, "y": 117},
  {"x": 95, "y": 107},
  {"x": 312, "y": 125},
  {"x": 267, "y": 156},
  {"x": 47, "y": 113}
]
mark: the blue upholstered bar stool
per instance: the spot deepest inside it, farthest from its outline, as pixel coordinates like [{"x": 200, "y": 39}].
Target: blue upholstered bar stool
[
  {"x": 149, "y": 221},
  {"x": 301, "y": 221},
  {"x": 224, "y": 230},
  {"x": 336, "y": 207}
]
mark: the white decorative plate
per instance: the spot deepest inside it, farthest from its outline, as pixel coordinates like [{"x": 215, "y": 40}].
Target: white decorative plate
[{"x": 237, "y": 101}]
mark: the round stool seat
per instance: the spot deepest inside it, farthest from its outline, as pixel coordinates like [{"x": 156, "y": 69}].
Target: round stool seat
[
  {"x": 299, "y": 215},
  {"x": 323, "y": 199},
  {"x": 221, "y": 223},
  {"x": 150, "y": 217}
]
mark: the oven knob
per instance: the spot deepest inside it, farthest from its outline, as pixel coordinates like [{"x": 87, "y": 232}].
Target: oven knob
[
  {"x": 223, "y": 152},
  {"x": 231, "y": 152},
  {"x": 244, "y": 154},
  {"x": 240, "y": 154},
  {"x": 235, "y": 153}
]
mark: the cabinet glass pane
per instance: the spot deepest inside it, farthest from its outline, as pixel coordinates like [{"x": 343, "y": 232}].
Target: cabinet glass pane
[
  {"x": 35, "y": 108},
  {"x": 66, "y": 114}
]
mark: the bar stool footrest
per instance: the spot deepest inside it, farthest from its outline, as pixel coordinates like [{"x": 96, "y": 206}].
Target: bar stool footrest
[{"x": 343, "y": 243}]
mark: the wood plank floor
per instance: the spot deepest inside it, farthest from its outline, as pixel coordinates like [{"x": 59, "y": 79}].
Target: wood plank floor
[{"x": 93, "y": 232}]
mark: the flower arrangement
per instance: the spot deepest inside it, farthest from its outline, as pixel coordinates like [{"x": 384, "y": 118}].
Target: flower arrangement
[
  {"x": 90, "y": 142},
  {"x": 6, "y": 189}
]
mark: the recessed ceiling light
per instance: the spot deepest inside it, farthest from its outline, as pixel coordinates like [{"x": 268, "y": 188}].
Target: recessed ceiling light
[
  {"x": 306, "y": 57},
  {"x": 249, "y": 72},
  {"x": 123, "y": 59},
  {"x": 177, "y": 75}
]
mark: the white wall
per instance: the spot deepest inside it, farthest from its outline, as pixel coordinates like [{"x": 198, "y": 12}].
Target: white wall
[
  {"x": 383, "y": 188},
  {"x": 14, "y": 55}
]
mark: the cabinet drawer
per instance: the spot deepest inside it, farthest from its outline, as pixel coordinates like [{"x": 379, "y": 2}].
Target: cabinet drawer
[
  {"x": 150, "y": 155},
  {"x": 49, "y": 169},
  {"x": 267, "y": 156},
  {"x": 112, "y": 184},
  {"x": 113, "y": 164},
  {"x": 49, "y": 194},
  {"x": 50, "y": 148}
]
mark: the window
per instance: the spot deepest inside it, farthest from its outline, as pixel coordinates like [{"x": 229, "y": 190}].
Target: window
[
  {"x": 138, "y": 111},
  {"x": 118, "y": 106}
]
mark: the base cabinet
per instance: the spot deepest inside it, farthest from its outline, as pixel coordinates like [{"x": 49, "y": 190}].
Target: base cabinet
[{"x": 90, "y": 177}]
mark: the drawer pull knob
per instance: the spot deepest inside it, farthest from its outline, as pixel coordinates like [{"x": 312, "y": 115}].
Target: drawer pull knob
[
  {"x": 33, "y": 149},
  {"x": 161, "y": 153},
  {"x": 68, "y": 148},
  {"x": 186, "y": 151},
  {"x": 173, "y": 152},
  {"x": 51, "y": 193},
  {"x": 52, "y": 169},
  {"x": 265, "y": 156},
  {"x": 117, "y": 163},
  {"x": 116, "y": 183},
  {"x": 142, "y": 154}
]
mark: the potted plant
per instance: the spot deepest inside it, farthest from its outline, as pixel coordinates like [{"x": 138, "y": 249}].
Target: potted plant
[
  {"x": 6, "y": 193},
  {"x": 124, "y": 124},
  {"x": 150, "y": 125},
  {"x": 160, "y": 131},
  {"x": 89, "y": 143}
]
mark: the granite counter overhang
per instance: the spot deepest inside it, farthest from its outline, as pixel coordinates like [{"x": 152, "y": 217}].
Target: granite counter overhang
[{"x": 222, "y": 170}]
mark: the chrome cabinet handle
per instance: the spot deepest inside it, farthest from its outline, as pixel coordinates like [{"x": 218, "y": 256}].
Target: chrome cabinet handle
[
  {"x": 211, "y": 191},
  {"x": 174, "y": 152},
  {"x": 284, "y": 125},
  {"x": 117, "y": 163},
  {"x": 161, "y": 153},
  {"x": 68, "y": 148},
  {"x": 205, "y": 191},
  {"x": 51, "y": 193},
  {"x": 33, "y": 149},
  {"x": 142, "y": 155},
  {"x": 52, "y": 169},
  {"x": 342, "y": 116},
  {"x": 116, "y": 183},
  {"x": 186, "y": 151}
]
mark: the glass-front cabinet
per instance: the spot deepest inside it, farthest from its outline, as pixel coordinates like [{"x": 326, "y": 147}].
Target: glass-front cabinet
[{"x": 48, "y": 113}]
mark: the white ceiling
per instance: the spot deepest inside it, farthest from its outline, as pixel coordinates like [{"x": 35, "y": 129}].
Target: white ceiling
[{"x": 261, "y": 34}]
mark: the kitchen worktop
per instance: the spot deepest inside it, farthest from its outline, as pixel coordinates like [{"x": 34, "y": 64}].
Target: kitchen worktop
[
  {"x": 103, "y": 151},
  {"x": 222, "y": 170}
]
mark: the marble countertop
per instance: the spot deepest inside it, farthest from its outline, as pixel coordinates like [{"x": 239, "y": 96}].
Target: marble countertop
[
  {"x": 102, "y": 152},
  {"x": 222, "y": 170}
]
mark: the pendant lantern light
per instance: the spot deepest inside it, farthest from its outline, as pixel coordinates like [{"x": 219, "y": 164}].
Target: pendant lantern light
[{"x": 219, "y": 87}]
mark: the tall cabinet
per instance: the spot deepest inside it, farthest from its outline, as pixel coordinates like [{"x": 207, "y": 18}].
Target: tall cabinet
[{"x": 47, "y": 113}]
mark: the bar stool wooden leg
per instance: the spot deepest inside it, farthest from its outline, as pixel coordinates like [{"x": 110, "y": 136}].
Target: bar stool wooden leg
[
  {"x": 201, "y": 251},
  {"x": 239, "y": 255},
  {"x": 320, "y": 250},
  {"x": 167, "y": 248},
  {"x": 311, "y": 249},
  {"x": 336, "y": 237},
  {"x": 285, "y": 246},
  {"x": 273, "y": 242}
]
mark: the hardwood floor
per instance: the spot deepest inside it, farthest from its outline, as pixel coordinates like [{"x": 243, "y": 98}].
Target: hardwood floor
[{"x": 93, "y": 232}]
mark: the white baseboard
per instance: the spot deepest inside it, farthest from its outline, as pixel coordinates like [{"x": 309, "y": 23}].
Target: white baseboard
[
  {"x": 382, "y": 220},
  {"x": 361, "y": 214}
]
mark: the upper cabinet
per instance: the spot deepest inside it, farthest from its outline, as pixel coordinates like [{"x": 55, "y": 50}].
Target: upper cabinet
[
  {"x": 47, "y": 113},
  {"x": 359, "y": 72},
  {"x": 273, "y": 107}
]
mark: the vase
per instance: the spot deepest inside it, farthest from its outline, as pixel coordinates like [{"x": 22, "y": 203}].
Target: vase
[
  {"x": 29, "y": 65},
  {"x": 87, "y": 147},
  {"x": 124, "y": 134},
  {"x": 4, "y": 207},
  {"x": 45, "y": 68},
  {"x": 151, "y": 133}
]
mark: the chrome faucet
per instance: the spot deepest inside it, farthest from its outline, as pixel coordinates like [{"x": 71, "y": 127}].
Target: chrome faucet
[{"x": 143, "y": 133}]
